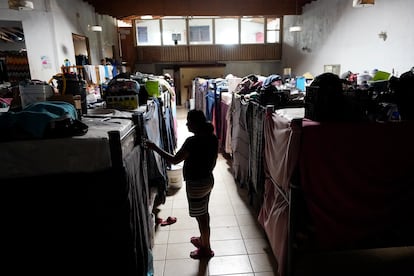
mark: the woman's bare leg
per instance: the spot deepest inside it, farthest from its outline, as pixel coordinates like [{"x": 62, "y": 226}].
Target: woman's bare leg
[{"x": 204, "y": 226}]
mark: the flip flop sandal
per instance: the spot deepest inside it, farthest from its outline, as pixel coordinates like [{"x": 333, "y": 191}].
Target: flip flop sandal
[
  {"x": 169, "y": 221},
  {"x": 196, "y": 241},
  {"x": 201, "y": 253}
]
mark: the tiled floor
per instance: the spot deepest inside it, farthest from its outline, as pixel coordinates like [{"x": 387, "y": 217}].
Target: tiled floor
[
  {"x": 238, "y": 241},
  {"x": 240, "y": 245}
]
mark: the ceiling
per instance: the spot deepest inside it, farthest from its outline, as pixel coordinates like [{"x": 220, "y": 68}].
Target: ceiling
[
  {"x": 130, "y": 9},
  {"x": 12, "y": 32}
]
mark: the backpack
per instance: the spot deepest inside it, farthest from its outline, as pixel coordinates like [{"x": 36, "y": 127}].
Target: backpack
[
  {"x": 324, "y": 98},
  {"x": 404, "y": 94},
  {"x": 49, "y": 119}
]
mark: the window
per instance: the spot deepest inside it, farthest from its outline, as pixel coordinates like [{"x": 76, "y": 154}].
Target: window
[
  {"x": 148, "y": 32},
  {"x": 174, "y": 29},
  {"x": 200, "y": 34},
  {"x": 200, "y": 31},
  {"x": 252, "y": 30},
  {"x": 142, "y": 34},
  {"x": 207, "y": 30},
  {"x": 226, "y": 30},
  {"x": 273, "y": 30}
]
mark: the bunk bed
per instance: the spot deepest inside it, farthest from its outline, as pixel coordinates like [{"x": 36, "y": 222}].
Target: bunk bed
[
  {"x": 213, "y": 97},
  {"x": 82, "y": 204},
  {"x": 323, "y": 189},
  {"x": 221, "y": 112},
  {"x": 335, "y": 187}
]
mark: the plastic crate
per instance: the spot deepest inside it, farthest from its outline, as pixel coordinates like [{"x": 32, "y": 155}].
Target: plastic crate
[{"x": 32, "y": 92}]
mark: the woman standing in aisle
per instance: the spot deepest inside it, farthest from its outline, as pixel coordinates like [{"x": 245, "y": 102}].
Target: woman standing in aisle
[{"x": 199, "y": 153}]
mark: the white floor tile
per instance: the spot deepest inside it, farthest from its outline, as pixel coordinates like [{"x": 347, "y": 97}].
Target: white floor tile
[
  {"x": 234, "y": 230},
  {"x": 230, "y": 265}
]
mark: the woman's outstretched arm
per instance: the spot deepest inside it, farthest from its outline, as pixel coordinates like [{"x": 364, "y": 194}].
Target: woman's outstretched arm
[{"x": 170, "y": 158}]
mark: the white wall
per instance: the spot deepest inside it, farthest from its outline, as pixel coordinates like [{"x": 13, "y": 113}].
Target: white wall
[
  {"x": 48, "y": 33},
  {"x": 337, "y": 33},
  {"x": 244, "y": 68}
]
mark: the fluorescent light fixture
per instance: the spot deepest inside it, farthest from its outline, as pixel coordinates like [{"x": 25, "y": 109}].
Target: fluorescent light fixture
[
  {"x": 295, "y": 29},
  {"x": 146, "y": 17}
]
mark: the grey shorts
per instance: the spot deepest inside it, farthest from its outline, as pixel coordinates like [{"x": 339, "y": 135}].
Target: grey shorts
[{"x": 198, "y": 195}]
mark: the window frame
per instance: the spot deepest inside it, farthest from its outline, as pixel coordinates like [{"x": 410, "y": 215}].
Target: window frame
[{"x": 262, "y": 36}]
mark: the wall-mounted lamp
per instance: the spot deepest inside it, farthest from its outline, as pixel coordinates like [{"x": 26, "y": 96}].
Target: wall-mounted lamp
[
  {"x": 176, "y": 37},
  {"x": 306, "y": 49},
  {"x": 95, "y": 28},
  {"x": 295, "y": 28},
  {"x": 363, "y": 3},
  {"x": 383, "y": 35}
]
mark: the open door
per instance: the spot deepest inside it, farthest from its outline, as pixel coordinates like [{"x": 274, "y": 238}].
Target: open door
[
  {"x": 82, "y": 50},
  {"x": 129, "y": 54}
]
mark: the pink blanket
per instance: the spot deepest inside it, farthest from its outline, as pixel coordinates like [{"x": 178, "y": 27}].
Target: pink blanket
[{"x": 280, "y": 158}]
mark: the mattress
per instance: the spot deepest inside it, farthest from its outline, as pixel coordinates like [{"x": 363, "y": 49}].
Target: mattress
[{"x": 87, "y": 153}]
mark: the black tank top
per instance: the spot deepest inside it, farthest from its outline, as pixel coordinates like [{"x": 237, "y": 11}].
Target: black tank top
[{"x": 203, "y": 150}]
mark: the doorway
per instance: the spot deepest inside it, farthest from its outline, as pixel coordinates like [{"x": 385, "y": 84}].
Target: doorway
[
  {"x": 189, "y": 73},
  {"x": 82, "y": 50}
]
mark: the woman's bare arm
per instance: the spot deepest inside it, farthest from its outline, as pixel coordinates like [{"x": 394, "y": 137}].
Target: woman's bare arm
[{"x": 170, "y": 158}]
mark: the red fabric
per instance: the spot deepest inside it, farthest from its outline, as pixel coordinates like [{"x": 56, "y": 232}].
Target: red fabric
[
  {"x": 6, "y": 100},
  {"x": 273, "y": 217},
  {"x": 357, "y": 180},
  {"x": 280, "y": 156},
  {"x": 222, "y": 132}
]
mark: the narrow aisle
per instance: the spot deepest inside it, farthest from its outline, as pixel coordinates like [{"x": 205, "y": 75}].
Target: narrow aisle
[{"x": 237, "y": 239}]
